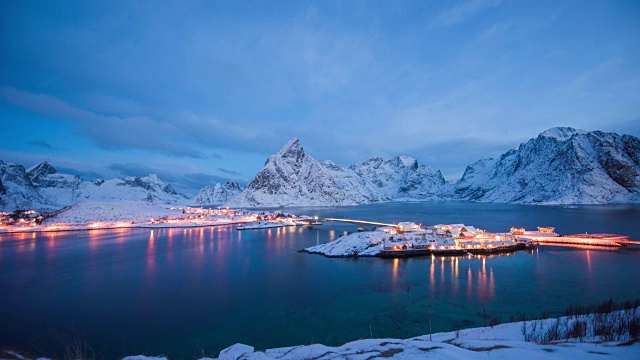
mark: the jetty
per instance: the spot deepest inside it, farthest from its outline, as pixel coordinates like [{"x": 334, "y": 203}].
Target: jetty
[
  {"x": 547, "y": 235},
  {"x": 392, "y": 253}
]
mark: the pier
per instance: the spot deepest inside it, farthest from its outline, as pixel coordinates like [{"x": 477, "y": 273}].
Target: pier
[
  {"x": 606, "y": 240},
  {"x": 358, "y": 222},
  {"x": 387, "y": 253}
]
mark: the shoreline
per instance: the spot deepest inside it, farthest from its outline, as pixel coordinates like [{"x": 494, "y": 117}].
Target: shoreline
[
  {"x": 575, "y": 335},
  {"x": 143, "y": 226},
  {"x": 400, "y": 254}
]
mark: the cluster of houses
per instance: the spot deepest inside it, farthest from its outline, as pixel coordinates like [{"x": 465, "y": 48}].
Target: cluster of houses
[
  {"x": 190, "y": 213},
  {"x": 20, "y": 218},
  {"x": 411, "y": 236}
]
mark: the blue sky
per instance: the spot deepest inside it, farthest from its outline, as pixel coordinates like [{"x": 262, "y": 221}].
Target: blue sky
[{"x": 200, "y": 92}]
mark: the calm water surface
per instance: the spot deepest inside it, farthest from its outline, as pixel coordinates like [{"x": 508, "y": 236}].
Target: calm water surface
[{"x": 195, "y": 291}]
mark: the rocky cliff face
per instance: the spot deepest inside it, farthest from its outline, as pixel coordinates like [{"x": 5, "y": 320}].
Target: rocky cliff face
[
  {"x": 402, "y": 178},
  {"x": 561, "y": 165},
  {"x": 18, "y": 192},
  {"x": 217, "y": 194},
  {"x": 358, "y": 188},
  {"x": 293, "y": 178}
]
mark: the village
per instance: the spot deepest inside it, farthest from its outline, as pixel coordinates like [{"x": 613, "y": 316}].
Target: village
[
  {"x": 410, "y": 239},
  {"x": 403, "y": 239},
  {"x": 98, "y": 215}
]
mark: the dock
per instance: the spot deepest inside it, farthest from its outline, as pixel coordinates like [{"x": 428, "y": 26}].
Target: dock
[
  {"x": 605, "y": 240},
  {"x": 404, "y": 253}
]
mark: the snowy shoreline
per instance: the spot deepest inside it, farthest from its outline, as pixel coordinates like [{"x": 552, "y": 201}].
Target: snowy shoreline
[
  {"x": 383, "y": 244},
  {"x": 572, "y": 337},
  {"x": 100, "y": 215},
  {"x": 133, "y": 226}
]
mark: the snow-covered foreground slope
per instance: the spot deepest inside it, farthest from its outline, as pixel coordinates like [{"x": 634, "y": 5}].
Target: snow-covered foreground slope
[
  {"x": 560, "y": 166},
  {"x": 505, "y": 341},
  {"x": 293, "y": 178},
  {"x": 43, "y": 188}
]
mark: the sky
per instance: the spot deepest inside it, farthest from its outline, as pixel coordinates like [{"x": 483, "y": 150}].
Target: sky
[{"x": 202, "y": 92}]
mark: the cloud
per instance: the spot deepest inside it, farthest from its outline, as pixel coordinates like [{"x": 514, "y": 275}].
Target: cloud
[
  {"x": 464, "y": 11},
  {"x": 109, "y": 132},
  {"x": 494, "y": 31},
  {"x": 230, "y": 172},
  {"x": 188, "y": 183},
  {"x": 41, "y": 144},
  {"x": 84, "y": 174},
  {"x": 179, "y": 134},
  {"x": 200, "y": 180}
]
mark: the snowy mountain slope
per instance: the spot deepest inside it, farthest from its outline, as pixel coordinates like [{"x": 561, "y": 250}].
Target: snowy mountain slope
[
  {"x": 217, "y": 194},
  {"x": 361, "y": 190},
  {"x": 293, "y": 178},
  {"x": 59, "y": 190},
  {"x": 42, "y": 187},
  {"x": 17, "y": 190},
  {"x": 148, "y": 188},
  {"x": 560, "y": 166},
  {"x": 402, "y": 178}
]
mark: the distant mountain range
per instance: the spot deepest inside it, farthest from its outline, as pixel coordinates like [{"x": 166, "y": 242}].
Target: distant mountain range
[
  {"x": 560, "y": 166},
  {"x": 42, "y": 187},
  {"x": 217, "y": 194},
  {"x": 292, "y": 177}
]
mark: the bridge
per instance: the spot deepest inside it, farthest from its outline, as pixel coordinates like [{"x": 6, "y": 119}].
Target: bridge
[{"x": 358, "y": 222}]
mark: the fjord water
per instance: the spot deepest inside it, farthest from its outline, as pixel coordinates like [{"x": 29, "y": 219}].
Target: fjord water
[{"x": 189, "y": 292}]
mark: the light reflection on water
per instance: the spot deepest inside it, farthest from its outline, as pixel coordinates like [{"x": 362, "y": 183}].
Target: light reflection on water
[{"x": 183, "y": 289}]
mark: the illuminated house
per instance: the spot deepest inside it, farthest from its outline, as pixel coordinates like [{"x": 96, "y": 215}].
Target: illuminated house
[
  {"x": 408, "y": 226},
  {"x": 517, "y": 231}
]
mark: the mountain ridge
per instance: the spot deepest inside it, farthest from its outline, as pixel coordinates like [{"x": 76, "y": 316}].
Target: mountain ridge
[
  {"x": 42, "y": 187},
  {"x": 561, "y": 165}
]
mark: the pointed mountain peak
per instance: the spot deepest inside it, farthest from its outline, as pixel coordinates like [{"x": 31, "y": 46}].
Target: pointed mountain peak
[
  {"x": 562, "y": 133},
  {"x": 405, "y": 161},
  {"x": 42, "y": 169},
  {"x": 154, "y": 179},
  {"x": 232, "y": 185},
  {"x": 292, "y": 145},
  {"x": 292, "y": 152}
]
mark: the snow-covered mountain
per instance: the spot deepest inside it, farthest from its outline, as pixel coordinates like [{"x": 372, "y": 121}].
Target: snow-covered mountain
[
  {"x": 402, "y": 178},
  {"x": 562, "y": 165},
  {"x": 42, "y": 187},
  {"x": 16, "y": 189},
  {"x": 217, "y": 194},
  {"x": 293, "y": 178},
  {"x": 358, "y": 188}
]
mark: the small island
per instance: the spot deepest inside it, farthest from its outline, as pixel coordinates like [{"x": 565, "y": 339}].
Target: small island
[{"x": 409, "y": 239}]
